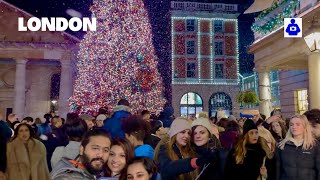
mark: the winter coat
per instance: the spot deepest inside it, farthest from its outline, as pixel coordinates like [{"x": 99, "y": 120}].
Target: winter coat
[
  {"x": 152, "y": 140},
  {"x": 171, "y": 169},
  {"x": 5, "y": 130},
  {"x": 113, "y": 125},
  {"x": 60, "y": 135},
  {"x": 26, "y": 161},
  {"x": 228, "y": 138},
  {"x": 71, "y": 151},
  {"x": 144, "y": 151},
  {"x": 166, "y": 116},
  {"x": 65, "y": 170},
  {"x": 250, "y": 168},
  {"x": 294, "y": 163},
  {"x": 3, "y": 155},
  {"x": 276, "y": 137},
  {"x": 214, "y": 169},
  {"x": 50, "y": 143}
]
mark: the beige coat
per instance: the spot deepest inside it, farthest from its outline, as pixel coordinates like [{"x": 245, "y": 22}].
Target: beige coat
[{"x": 27, "y": 165}]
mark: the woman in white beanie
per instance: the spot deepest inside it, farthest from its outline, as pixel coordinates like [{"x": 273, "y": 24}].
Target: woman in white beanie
[
  {"x": 174, "y": 155},
  {"x": 207, "y": 145}
]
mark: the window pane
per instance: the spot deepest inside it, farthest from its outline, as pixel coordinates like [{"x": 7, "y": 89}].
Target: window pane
[
  {"x": 190, "y": 24},
  {"x": 301, "y": 101},
  {"x": 184, "y": 111},
  {"x": 218, "y": 25},
  {"x": 191, "y": 70},
  {"x": 190, "y": 47},
  {"x": 219, "y": 70},
  {"x": 199, "y": 109},
  {"x": 218, "y": 48},
  {"x": 191, "y": 110}
]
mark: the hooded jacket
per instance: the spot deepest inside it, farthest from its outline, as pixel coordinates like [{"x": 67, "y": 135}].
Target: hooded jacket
[
  {"x": 113, "y": 125},
  {"x": 144, "y": 151},
  {"x": 71, "y": 151},
  {"x": 65, "y": 170}
]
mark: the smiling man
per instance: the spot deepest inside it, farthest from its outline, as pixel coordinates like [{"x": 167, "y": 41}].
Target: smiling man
[{"x": 94, "y": 153}]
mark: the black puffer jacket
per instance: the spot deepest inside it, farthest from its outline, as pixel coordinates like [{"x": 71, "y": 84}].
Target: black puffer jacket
[
  {"x": 214, "y": 170},
  {"x": 294, "y": 163},
  {"x": 250, "y": 168}
]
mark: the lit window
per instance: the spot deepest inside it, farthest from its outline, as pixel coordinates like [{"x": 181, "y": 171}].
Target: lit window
[
  {"x": 190, "y": 104},
  {"x": 220, "y": 100},
  {"x": 301, "y": 101}
]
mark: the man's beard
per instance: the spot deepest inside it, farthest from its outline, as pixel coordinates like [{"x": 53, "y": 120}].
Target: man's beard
[{"x": 87, "y": 164}]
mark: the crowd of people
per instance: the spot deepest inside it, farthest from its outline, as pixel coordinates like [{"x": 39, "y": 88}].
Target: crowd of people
[{"x": 121, "y": 145}]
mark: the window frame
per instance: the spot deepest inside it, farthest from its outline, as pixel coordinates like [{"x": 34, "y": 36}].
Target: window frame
[
  {"x": 194, "y": 70},
  {"x": 187, "y": 46},
  {"x": 218, "y": 47},
  {"x": 300, "y": 101},
  {"x": 190, "y": 25},
  {"x": 215, "y": 71},
  {"x": 196, "y": 107},
  {"x": 218, "y": 28}
]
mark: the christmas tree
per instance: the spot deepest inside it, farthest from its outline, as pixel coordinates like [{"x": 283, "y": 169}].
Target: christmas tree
[{"x": 118, "y": 61}]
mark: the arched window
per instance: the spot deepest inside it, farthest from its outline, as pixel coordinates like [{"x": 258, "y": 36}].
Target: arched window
[
  {"x": 220, "y": 100},
  {"x": 191, "y": 104}
]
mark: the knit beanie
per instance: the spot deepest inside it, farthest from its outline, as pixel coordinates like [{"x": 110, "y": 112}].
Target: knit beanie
[
  {"x": 178, "y": 125},
  {"x": 202, "y": 122},
  {"x": 248, "y": 125}
]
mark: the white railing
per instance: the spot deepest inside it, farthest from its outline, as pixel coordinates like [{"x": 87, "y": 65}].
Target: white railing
[{"x": 187, "y": 6}]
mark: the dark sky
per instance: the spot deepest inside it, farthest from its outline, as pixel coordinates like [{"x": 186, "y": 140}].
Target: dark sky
[{"x": 57, "y": 8}]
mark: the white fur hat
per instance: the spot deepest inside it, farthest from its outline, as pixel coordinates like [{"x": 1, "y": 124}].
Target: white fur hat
[{"x": 202, "y": 122}]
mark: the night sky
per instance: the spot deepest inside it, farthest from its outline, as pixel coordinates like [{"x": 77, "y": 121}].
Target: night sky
[{"x": 159, "y": 17}]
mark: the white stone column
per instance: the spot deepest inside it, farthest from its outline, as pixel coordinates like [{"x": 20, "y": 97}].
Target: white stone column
[
  {"x": 65, "y": 87},
  {"x": 20, "y": 88},
  {"x": 314, "y": 80},
  {"x": 265, "y": 106}
]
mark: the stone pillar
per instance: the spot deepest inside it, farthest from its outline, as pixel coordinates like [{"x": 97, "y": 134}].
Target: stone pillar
[
  {"x": 265, "y": 106},
  {"x": 20, "y": 88},
  {"x": 314, "y": 80},
  {"x": 65, "y": 87}
]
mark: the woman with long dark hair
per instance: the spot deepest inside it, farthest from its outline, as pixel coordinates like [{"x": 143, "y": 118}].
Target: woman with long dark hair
[
  {"x": 278, "y": 130},
  {"x": 26, "y": 156}
]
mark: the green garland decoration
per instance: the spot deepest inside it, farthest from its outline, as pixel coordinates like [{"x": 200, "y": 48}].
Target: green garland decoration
[
  {"x": 273, "y": 7},
  {"x": 276, "y": 21}
]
